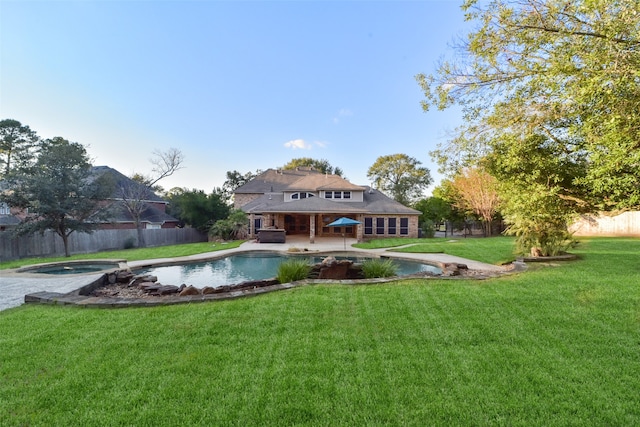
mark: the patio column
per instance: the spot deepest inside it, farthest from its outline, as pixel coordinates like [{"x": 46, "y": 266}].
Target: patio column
[
  {"x": 360, "y": 228},
  {"x": 252, "y": 221},
  {"x": 312, "y": 228}
]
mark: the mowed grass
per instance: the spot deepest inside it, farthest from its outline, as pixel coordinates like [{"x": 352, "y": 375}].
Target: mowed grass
[
  {"x": 494, "y": 250},
  {"x": 556, "y": 345},
  {"x": 172, "y": 251}
]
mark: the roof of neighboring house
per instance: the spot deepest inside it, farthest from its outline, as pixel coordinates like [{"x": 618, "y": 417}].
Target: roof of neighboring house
[
  {"x": 9, "y": 220},
  {"x": 374, "y": 202},
  {"x": 149, "y": 214},
  {"x": 125, "y": 185}
]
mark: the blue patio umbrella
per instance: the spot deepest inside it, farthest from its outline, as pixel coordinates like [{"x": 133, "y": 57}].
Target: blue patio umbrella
[{"x": 343, "y": 222}]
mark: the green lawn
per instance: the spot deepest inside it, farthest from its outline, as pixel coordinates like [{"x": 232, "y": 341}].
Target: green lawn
[
  {"x": 494, "y": 250},
  {"x": 172, "y": 251},
  {"x": 556, "y": 345}
]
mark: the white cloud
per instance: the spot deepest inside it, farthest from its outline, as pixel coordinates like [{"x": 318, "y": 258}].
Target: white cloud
[{"x": 298, "y": 143}]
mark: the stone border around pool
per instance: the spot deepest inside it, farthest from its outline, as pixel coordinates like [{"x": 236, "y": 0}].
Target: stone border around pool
[
  {"x": 75, "y": 298},
  {"x": 81, "y": 298}
]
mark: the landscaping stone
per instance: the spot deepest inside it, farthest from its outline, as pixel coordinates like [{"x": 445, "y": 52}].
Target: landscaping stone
[
  {"x": 167, "y": 290},
  {"x": 452, "y": 269},
  {"x": 189, "y": 290}
]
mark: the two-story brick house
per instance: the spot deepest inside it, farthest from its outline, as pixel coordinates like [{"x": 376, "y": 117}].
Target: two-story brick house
[{"x": 304, "y": 201}]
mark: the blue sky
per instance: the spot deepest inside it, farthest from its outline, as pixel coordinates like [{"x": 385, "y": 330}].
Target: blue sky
[{"x": 235, "y": 85}]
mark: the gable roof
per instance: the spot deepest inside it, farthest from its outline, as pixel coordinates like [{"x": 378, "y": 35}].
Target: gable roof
[
  {"x": 322, "y": 182},
  {"x": 274, "y": 180},
  {"x": 124, "y": 184},
  {"x": 374, "y": 202},
  {"x": 149, "y": 214}
]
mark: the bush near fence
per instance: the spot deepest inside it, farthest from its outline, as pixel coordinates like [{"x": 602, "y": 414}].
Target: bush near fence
[{"x": 50, "y": 244}]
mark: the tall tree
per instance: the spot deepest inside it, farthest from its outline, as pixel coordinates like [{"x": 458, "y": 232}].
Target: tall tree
[
  {"x": 320, "y": 165},
  {"x": 564, "y": 71},
  {"x": 400, "y": 176},
  {"x": 234, "y": 180},
  {"x": 135, "y": 196},
  {"x": 58, "y": 193},
  {"x": 17, "y": 146},
  {"x": 478, "y": 193},
  {"x": 196, "y": 208}
]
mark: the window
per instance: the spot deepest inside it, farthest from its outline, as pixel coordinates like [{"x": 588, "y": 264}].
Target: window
[
  {"x": 337, "y": 194},
  {"x": 257, "y": 224},
  {"x": 297, "y": 196},
  {"x": 404, "y": 226},
  {"x": 379, "y": 225},
  {"x": 153, "y": 227},
  {"x": 4, "y": 209},
  {"x": 368, "y": 226},
  {"x": 392, "y": 226}
]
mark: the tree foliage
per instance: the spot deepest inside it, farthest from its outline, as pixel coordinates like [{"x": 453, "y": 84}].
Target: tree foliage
[
  {"x": 18, "y": 145},
  {"x": 552, "y": 77},
  {"x": 234, "y": 180},
  {"x": 58, "y": 192},
  {"x": 234, "y": 227},
  {"x": 196, "y": 208},
  {"x": 434, "y": 209},
  {"x": 477, "y": 192},
  {"x": 400, "y": 176},
  {"x": 320, "y": 165},
  {"x": 565, "y": 70}
]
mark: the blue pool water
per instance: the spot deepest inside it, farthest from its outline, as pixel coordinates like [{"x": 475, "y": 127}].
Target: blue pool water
[
  {"x": 250, "y": 266},
  {"x": 70, "y": 268}
]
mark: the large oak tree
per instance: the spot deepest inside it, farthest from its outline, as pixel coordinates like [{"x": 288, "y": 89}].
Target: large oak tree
[{"x": 400, "y": 176}]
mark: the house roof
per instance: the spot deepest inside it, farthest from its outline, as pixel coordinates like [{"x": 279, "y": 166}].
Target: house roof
[
  {"x": 275, "y": 180},
  {"x": 9, "y": 220},
  {"x": 149, "y": 214},
  {"x": 374, "y": 202},
  {"x": 322, "y": 182},
  {"x": 272, "y": 203},
  {"x": 125, "y": 185}
]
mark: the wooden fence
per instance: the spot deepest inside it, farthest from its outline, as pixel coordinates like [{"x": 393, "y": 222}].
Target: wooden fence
[
  {"x": 50, "y": 244},
  {"x": 605, "y": 224}
]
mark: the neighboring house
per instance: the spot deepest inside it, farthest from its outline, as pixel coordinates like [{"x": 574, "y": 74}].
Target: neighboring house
[
  {"x": 9, "y": 218},
  {"x": 154, "y": 214},
  {"x": 305, "y": 201}
]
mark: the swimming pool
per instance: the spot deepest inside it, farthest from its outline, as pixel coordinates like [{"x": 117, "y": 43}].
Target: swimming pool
[
  {"x": 72, "y": 267},
  {"x": 250, "y": 266}
]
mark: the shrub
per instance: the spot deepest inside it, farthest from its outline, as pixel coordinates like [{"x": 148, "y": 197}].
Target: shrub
[
  {"x": 293, "y": 269},
  {"x": 232, "y": 228},
  {"x": 374, "y": 268},
  {"x": 130, "y": 243},
  {"x": 428, "y": 228}
]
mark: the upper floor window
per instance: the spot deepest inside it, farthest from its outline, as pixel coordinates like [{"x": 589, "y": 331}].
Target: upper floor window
[
  {"x": 337, "y": 194},
  {"x": 302, "y": 195},
  {"x": 4, "y": 209}
]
